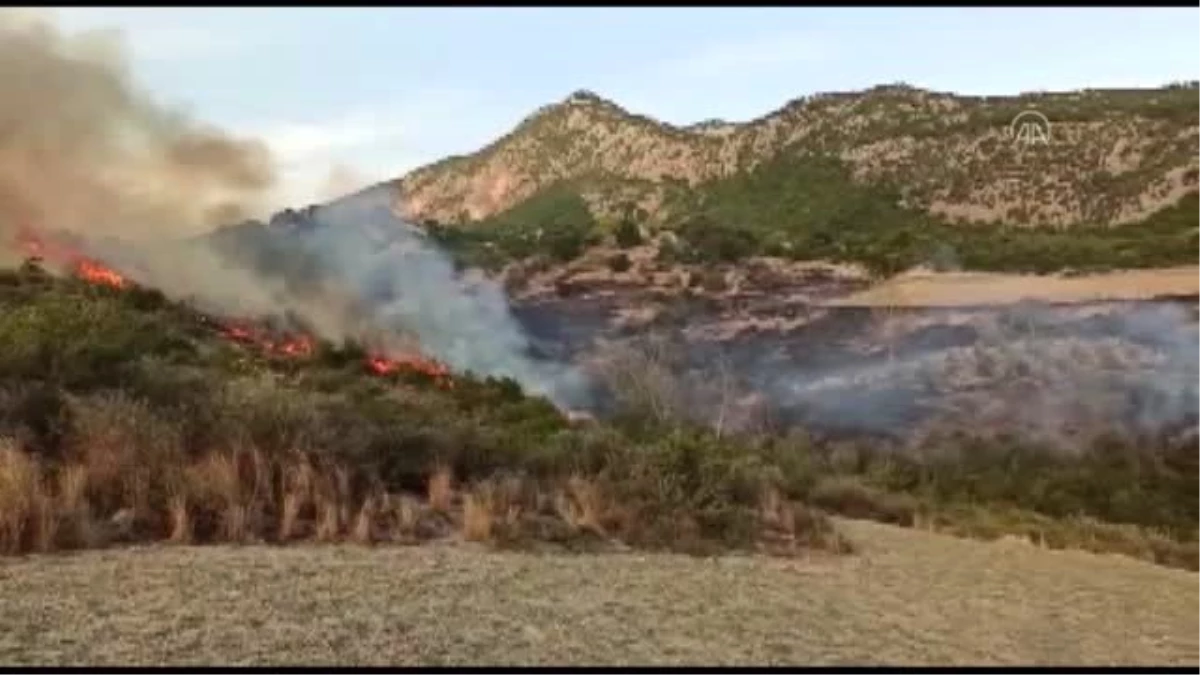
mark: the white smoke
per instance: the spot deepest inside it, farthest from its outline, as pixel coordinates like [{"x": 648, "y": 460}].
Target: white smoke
[{"x": 408, "y": 283}]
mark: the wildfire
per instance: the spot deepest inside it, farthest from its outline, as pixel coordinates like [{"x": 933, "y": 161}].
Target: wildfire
[
  {"x": 94, "y": 272},
  {"x": 242, "y": 332},
  {"x": 237, "y": 333},
  {"x": 299, "y": 346},
  {"x": 288, "y": 345},
  {"x": 439, "y": 373},
  {"x": 88, "y": 269}
]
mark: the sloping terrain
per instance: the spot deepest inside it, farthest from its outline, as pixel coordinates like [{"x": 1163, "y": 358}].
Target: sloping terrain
[
  {"x": 775, "y": 345},
  {"x": 910, "y": 598},
  {"x": 1114, "y": 156},
  {"x": 952, "y": 198}
]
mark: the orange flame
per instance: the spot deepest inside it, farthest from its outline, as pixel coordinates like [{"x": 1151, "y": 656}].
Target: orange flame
[
  {"x": 93, "y": 272},
  {"x": 296, "y": 346},
  {"x": 301, "y": 346},
  {"x": 382, "y": 365},
  {"x": 88, "y": 269},
  {"x": 237, "y": 332}
]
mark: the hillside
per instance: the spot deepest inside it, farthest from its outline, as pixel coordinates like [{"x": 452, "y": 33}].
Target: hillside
[
  {"x": 255, "y": 430},
  {"x": 892, "y": 176}
]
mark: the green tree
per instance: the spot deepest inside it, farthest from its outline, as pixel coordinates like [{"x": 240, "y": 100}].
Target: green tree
[{"x": 628, "y": 234}]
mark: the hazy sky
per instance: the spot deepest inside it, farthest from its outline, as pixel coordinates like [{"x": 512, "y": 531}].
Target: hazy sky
[{"x": 383, "y": 90}]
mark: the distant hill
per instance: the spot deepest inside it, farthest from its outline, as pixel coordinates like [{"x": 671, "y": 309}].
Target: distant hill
[
  {"x": 895, "y": 166},
  {"x": 1114, "y": 155}
]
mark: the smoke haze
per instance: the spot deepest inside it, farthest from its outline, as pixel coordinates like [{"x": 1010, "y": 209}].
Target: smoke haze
[
  {"x": 82, "y": 150},
  {"x": 406, "y": 283},
  {"x": 1056, "y": 376}
]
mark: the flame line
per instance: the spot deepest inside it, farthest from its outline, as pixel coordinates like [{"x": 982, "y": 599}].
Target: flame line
[{"x": 239, "y": 331}]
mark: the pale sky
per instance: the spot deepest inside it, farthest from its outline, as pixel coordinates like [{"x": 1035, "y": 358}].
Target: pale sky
[{"x": 381, "y": 91}]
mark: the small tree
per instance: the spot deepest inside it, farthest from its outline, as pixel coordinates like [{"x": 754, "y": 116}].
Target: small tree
[
  {"x": 628, "y": 234},
  {"x": 565, "y": 241}
]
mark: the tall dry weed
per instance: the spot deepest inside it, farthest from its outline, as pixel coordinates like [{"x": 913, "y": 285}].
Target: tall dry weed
[
  {"x": 20, "y": 496},
  {"x": 299, "y": 479},
  {"x": 493, "y": 508},
  {"x": 441, "y": 490},
  {"x": 582, "y": 505},
  {"x": 130, "y": 453}
]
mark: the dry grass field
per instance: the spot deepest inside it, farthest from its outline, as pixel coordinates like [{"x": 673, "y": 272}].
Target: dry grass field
[
  {"x": 952, "y": 289},
  {"x": 909, "y": 597}
]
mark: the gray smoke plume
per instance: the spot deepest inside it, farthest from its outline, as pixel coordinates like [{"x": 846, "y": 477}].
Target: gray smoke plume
[{"x": 408, "y": 284}]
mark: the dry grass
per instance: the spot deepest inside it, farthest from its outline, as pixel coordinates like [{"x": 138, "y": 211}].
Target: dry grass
[
  {"x": 853, "y": 498},
  {"x": 582, "y": 505},
  {"x": 910, "y": 597},
  {"x": 243, "y": 496},
  {"x": 112, "y": 493},
  {"x": 955, "y": 289},
  {"x": 477, "y": 519},
  {"x": 493, "y": 509},
  {"x": 41, "y": 511},
  {"x": 1078, "y": 533},
  {"x": 441, "y": 490}
]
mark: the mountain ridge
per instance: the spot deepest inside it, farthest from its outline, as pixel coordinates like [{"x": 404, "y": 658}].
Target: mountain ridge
[{"x": 1116, "y": 155}]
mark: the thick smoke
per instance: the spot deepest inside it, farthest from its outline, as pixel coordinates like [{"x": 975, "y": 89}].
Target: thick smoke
[
  {"x": 409, "y": 284},
  {"x": 83, "y": 152},
  {"x": 81, "y": 149}
]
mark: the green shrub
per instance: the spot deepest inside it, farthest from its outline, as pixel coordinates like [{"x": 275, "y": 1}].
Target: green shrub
[{"x": 628, "y": 234}]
